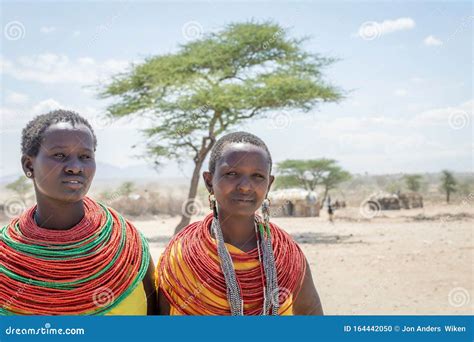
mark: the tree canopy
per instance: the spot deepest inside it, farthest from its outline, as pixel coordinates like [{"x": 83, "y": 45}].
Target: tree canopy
[
  {"x": 209, "y": 86},
  {"x": 413, "y": 182},
  {"x": 308, "y": 174},
  {"x": 448, "y": 183}
]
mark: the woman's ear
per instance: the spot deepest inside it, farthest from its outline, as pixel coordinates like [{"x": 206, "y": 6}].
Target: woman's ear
[
  {"x": 272, "y": 178},
  {"x": 27, "y": 165},
  {"x": 207, "y": 176}
]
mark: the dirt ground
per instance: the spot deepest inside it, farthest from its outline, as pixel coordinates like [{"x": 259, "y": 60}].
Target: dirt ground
[{"x": 408, "y": 262}]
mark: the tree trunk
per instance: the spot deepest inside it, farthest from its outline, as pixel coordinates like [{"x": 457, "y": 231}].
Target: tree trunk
[
  {"x": 185, "y": 217},
  {"x": 326, "y": 190},
  {"x": 206, "y": 146},
  {"x": 447, "y": 196}
]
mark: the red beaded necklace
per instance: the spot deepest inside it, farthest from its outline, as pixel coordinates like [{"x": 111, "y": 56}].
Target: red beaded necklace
[
  {"x": 199, "y": 255},
  {"x": 87, "y": 269}
]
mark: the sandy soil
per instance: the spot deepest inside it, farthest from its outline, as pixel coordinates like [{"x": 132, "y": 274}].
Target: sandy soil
[{"x": 397, "y": 263}]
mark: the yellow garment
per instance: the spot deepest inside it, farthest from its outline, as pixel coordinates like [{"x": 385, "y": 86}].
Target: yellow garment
[
  {"x": 135, "y": 304},
  {"x": 188, "y": 279}
]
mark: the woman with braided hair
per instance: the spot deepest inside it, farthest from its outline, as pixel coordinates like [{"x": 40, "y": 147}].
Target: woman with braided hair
[
  {"x": 70, "y": 255},
  {"x": 235, "y": 262}
]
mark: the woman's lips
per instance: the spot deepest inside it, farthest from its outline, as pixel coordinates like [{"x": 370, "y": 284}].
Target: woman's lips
[
  {"x": 73, "y": 183},
  {"x": 243, "y": 200}
]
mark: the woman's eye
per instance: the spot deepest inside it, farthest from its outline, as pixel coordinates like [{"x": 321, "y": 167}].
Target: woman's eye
[
  {"x": 231, "y": 173},
  {"x": 259, "y": 176},
  {"x": 85, "y": 156},
  {"x": 59, "y": 155}
]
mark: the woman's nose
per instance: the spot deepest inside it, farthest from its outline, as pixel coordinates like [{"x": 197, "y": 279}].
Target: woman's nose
[
  {"x": 74, "y": 167},
  {"x": 245, "y": 184}
]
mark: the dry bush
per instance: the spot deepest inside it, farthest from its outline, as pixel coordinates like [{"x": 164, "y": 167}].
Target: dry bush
[
  {"x": 143, "y": 203},
  {"x": 130, "y": 207}
]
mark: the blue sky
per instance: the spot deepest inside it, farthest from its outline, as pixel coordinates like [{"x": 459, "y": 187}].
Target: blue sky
[{"x": 406, "y": 67}]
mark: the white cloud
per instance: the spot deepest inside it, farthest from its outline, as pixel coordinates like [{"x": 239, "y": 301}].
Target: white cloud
[
  {"x": 417, "y": 79},
  {"x": 76, "y": 33},
  {"x": 383, "y": 141},
  {"x": 444, "y": 115},
  {"x": 435, "y": 116},
  {"x": 400, "y": 92},
  {"x": 4, "y": 64},
  {"x": 372, "y": 29},
  {"x": 16, "y": 98},
  {"x": 427, "y": 141},
  {"x": 45, "y": 106},
  {"x": 47, "y": 29},
  {"x": 52, "y": 68},
  {"x": 16, "y": 117},
  {"x": 432, "y": 41}
]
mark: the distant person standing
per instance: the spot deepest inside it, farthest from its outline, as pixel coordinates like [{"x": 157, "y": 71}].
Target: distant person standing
[
  {"x": 330, "y": 210},
  {"x": 311, "y": 200}
]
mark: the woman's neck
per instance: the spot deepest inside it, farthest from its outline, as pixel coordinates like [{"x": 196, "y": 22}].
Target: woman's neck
[
  {"x": 239, "y": 231},
  {"x": 51, "y": 214}
]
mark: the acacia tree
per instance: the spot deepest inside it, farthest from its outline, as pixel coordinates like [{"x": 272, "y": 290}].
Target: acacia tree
[
  {"x": 334, "y": 176},
  {"x": 413, "y": 182},
  {"x": 448, "y": 184},
  {"x": 21, "y": 187},
  {"x": 126, "y": 188},
  {"x": 308, "y": 174},
  {"x": 209, "y": 86}
]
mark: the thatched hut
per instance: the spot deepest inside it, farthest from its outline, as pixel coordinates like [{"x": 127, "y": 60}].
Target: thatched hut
[
  {"x": 411, "y": 200},
  {"x": 294, "y": 202},
  {"x": 383, "y": 201},
  {"x": 386, "y": 201}
]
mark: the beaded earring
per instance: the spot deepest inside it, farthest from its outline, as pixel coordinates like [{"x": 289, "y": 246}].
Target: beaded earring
[
  {"x": 266, "y": 211},
  {"x": 213, "y": 204}
]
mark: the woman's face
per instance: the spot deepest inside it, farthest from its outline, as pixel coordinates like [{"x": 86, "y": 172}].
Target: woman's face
[
  {"x": 64, "y": 167},
  {"x": 241, "y": 180}
]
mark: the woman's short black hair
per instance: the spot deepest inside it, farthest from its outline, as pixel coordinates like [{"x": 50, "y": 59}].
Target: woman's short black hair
[
  {"x": 32, "y": 134},
  {"x": 236, "y": 137}
]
